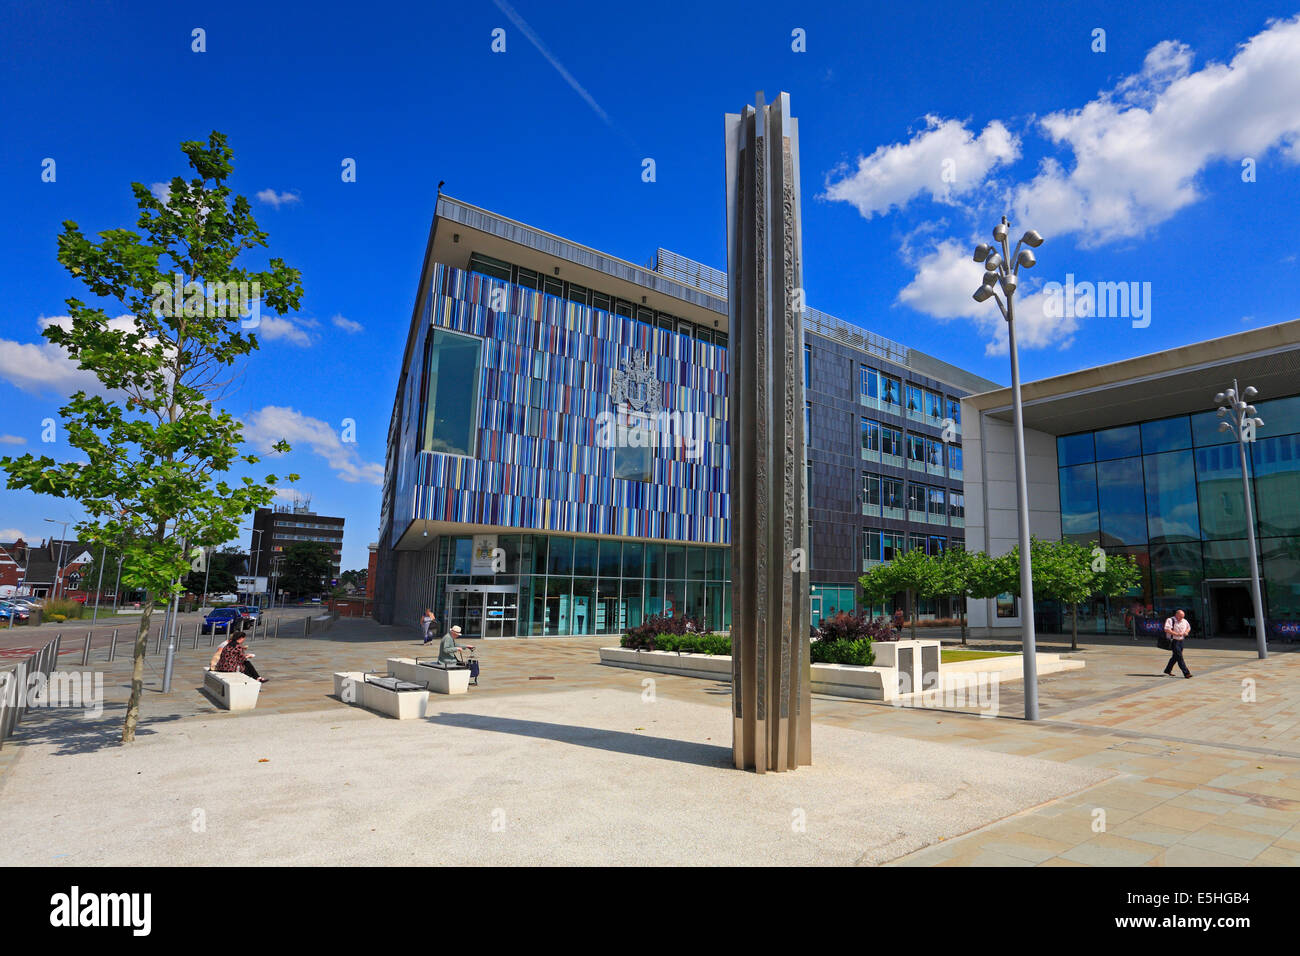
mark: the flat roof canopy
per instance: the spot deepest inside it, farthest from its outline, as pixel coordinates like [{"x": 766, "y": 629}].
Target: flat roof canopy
[{"x": 1173, "y": 382}]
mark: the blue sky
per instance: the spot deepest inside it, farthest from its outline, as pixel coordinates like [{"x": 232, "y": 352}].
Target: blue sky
[{"x": 920, "y": 126}]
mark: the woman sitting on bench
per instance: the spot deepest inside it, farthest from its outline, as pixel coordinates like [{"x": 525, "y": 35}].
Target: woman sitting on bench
[{"x": 233, "y": 658}]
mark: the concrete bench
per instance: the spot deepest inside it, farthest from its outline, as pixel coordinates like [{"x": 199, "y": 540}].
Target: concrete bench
[
  {"x": 391, "y": 696},
  {"x": 231, "y": 690},
  {"x": 441, "y": 680}
]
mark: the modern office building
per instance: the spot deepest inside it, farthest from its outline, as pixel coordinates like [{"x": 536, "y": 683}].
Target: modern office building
[
  {"x": 1130, "y": 456},
  {"x": 275, "y": 529},
  {"x": 558, "y": 455}
]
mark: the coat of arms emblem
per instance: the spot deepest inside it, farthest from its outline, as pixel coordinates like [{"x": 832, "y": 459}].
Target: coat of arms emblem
[{"x": 635, "y": 385}]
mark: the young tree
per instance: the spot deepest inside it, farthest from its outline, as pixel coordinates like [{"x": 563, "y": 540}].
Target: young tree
[
  {"x": 305, "y": 566},
  {"x": 958, "y": 574},
  {"x": 154, "y": 451},
  {"x": 911, "y": 571},
  {"x": 990, "y": 577}
]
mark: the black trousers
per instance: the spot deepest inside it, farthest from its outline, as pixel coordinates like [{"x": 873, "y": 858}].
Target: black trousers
[
  {"x": 251, "y": 671},
  {"x": 1177, "y": 658}
]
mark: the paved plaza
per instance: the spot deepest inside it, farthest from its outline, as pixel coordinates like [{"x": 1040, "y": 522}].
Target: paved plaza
[{"x": 558, "y": 759}]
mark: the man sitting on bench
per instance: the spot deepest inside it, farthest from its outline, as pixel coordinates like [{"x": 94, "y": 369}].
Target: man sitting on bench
[{"x": 449, "y": 650}]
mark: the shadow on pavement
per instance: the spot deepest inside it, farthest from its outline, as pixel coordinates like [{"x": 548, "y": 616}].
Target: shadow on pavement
[
  {"x": 615, "y": 741},
  {"x": 71, "y": 733}
]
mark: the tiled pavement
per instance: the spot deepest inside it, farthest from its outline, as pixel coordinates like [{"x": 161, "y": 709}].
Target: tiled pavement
[{"x": 1205, "y": 775}]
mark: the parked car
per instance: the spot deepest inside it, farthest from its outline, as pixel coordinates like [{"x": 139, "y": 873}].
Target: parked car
[
  {"x": 16, "y": 612},
  {"x": 250, "y": 612},
  {"x": 225, "y": 619}
]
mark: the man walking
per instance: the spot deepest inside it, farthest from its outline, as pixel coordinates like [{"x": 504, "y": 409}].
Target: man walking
[{"x": 1176, "y": 629}]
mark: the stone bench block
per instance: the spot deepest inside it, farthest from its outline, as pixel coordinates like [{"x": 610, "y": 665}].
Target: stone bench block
[
  {"x": 441, "y": 680},
  {"x": 231, "y": 691}
]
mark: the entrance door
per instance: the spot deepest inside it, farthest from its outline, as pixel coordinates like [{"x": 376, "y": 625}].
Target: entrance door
[
  {"x": 1230, "y": 609},
  {"x": 500, "y": 614},
  {"x": 466, "y": 609}
]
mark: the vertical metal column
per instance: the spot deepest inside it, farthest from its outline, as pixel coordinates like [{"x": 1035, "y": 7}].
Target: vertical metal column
[{"x": 771, "y": 696}]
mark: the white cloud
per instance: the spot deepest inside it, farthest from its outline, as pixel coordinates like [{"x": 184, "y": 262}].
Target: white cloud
[
  {"x": 1138, "y": 149},
  {"x": 347, "y": 325},
  {"x": 945, "y": 160},
  {"x": 13, "y": 534},
  {"x": 272, "y": 198},
  {"x": 40, "y": 367},
  {"x": 947, "y": 277},
  {"x": 294, "y": 331},
  {"x": 12, "y": 440},
  {"x": 161, "y": 191},
  {"x": 266, "y": 426}
]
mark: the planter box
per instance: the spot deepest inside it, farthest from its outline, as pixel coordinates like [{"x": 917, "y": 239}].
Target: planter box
[
  {"x": 710, "y": 666},
  {"x": 853, "y": 680},
  {"x": 230, "y": 690},
  {"x": 351, "y": 687}
]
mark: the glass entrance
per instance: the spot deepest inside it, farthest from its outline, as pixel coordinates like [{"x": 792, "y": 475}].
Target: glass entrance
[
  {"x": 483, "y": 611},
  {"x": 1232, "y": 611}
]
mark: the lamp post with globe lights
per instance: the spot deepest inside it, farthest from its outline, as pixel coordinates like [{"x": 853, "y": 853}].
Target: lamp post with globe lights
[
  {"x": 1240, "y": 417},
  {"x": 1002, "y": 271}
]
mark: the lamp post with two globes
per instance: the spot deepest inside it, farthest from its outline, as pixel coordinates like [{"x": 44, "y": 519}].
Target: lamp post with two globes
[
  {"x": 1241, "y": 419},
  {"x": 1002, "y": 270}
]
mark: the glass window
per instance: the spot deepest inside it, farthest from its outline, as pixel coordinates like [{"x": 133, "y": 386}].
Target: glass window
[
  {"x": 871, "y": 545},
  {"x": 532, "y": 559},
  {"x": 891, "y": 441},
  {"x": 1122, "y": 500},
  {"x": 954, "y": 410},
  {"x": 1281, "y": 415},
  {"x": 1276, "y": 467},
  {"x": 561, "y": 557},
  {"x": 717, "y": 564},
  {"x": 451, "y": 398},
  {"x": 583, "y": 616},
  {"x": 610, "y": 562},
  {"x": 954, "y": 457},
  {"x": 655, "y": 562},
  {"x": 1078, "y": 485},
  {"x": 1123, "y": 442},
  {"x": 871, "y": 489},
  {"x": 1166, "y": 434},
  {"x": 676, "y": 566},
  {"x": 1171, "y": 497},
  {"x": 633, "y": 559},
  {"x": 1074, "y": 449},
  {"x": 631, "y": 603},
  {"x": 1227, "y": 559},
  {"x": 1218, "y": 485},
  {"x": 936, "y": 544},
  {"x": 933, "y": 453},
  {"x": 1176, "y": 574},
  {"x": 891, "y": 543},
  {"x": 915, "y": 448},
  {"x": 1281, "y": 571},
  {"x": 1206, "y": 431},
  {"x": 695, "y": 563},
  {"x": 890, "y": 390},
  {"x": 634, "y": 464},
  {"x": 933, "y": 405},
  {"x": 956, "y": 504},
  {"x": 916, "y": 542},
  {"x": 868, "y": 381},
  {"x": 937, "y": 504},
  {"x": 915, "y": 401},
  {"x": 584, "y": 556},
  {"x": 462, "y": 555},
  {"x": 916, "y": 497},
  {"x": 870, "y": 436},
  {"x": 891, "y": 492},
  {"x": 807, "y": 365}
]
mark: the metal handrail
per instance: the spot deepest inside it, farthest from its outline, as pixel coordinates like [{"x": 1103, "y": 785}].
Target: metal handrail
[{"x": 15, "y": 682}]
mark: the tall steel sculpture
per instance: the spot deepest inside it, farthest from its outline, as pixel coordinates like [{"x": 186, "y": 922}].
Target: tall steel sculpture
[{"x": 771, "y": 706}]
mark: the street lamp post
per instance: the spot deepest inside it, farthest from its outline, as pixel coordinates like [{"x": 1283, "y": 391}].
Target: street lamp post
[
  {"x": 58, "y": 567},
  {"x": 117, "y": 583},
  {"x": 1003, "y": 270},
  {"x": 1241, "y": 419},
  {"x": 99, "y": 587},
  {"x": 256, "y": 555}
]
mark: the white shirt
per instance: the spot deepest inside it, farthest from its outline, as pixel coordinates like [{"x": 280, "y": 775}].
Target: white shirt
[{"x": 1180, "y": 628}]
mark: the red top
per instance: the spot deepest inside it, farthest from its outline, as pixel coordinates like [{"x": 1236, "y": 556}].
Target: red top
[{"x": 232, "y": 658}]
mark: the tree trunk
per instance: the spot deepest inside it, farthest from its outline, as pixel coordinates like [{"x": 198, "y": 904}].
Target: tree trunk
[
  {"x": 1074, "y": 627},
  {"x": 137, "y": 669},
  {"x": 963, "y": 620},
  {"x": 911, "y": 600}
]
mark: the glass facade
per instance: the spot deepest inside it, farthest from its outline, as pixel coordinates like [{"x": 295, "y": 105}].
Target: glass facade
[
  {"x": 1169, "y": 492},
  {"x": 551, "y": 585}
]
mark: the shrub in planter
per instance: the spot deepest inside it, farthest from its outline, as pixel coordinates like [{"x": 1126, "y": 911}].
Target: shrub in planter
[
  {"x": 855, "y": 626},
  {"x": 58, "y": 618},
  {"x": 842, "y": 651},
  {"x": 693, "y": 643},
  {"x": 643, "y": 636}
]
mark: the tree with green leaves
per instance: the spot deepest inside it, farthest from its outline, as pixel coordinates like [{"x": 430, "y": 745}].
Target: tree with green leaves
[
  {"x": 219, "y": 576},
  {"x": 959, "y": 573},
  {"x": 155, "y": 454},
  {"x": 910, "y": 571},
  {"x": 305, "y": 567}
]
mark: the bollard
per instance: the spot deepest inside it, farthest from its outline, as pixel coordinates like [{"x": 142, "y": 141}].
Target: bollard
[
  {"x": 157, "y": 644},
  {"x": 85, "y": 653},
  {"x": 277, "y": 628},
  {"x": 112, "y": 645},
  {"x": 194, "y": 646}
]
